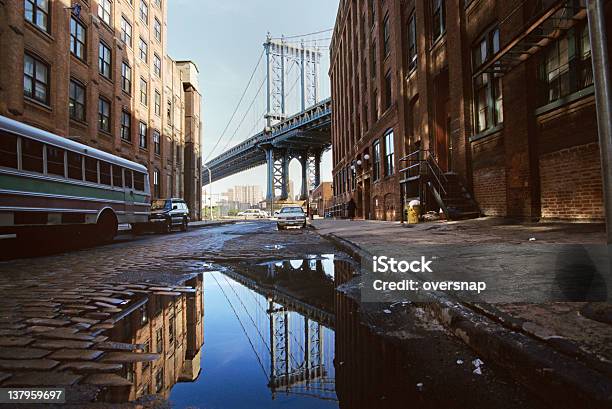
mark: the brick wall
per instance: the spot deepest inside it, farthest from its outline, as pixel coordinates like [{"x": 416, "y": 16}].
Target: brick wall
[
  {"x": 571, "y": 183},
  {"x": 490, "y": 190}
]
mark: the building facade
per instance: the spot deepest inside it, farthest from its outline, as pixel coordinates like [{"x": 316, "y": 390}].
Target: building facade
[
  {"x": 100, "y": 75},
  {"x": 250, "y": 194},
  {"x": 497, "y": 95}
]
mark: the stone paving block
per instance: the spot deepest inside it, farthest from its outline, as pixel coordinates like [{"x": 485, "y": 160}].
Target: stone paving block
[
  {"x": 37, "y": 314},
  {"x": 15, "y": 341},
  {"x": 42, "y": 379},
  {"x": 40, "y": 328},
  {"x": 129, "y": 357},
  {"x": 81, "y": 307},
  {"x": 22, "y": 353},
  {"x": 89, "y": 367},
  {"x": 168, "y": 293},
  {"x": 85, "y": 320},
  {"x": 103, "y": 326},
  {"x": 67, "y": 333},
  {"x": 81, "y": 326},
  {"x": 28, "y": 364},
  {"x": 99, "y": 315},
  {"x": 109, "y": 300},
  {"x": 48, "y": 322},
  {"x": 76, "y": 354},
  {"x": 106, "y": 380},
  {"x": 61, "y": 344},
  {"x": 118, "y": 346}
]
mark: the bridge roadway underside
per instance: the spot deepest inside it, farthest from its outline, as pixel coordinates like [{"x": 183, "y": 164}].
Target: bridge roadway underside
[{"x": 304, "y": 136}]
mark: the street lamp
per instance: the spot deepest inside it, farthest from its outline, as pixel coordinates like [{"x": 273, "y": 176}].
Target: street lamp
[{"x": 209, "y": 190}]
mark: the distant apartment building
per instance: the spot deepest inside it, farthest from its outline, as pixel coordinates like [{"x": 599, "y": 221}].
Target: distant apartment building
[
  {"x": 103, "y": 77},
  {"x": 493, "y": 98},
  {"x": 250, "y": 194},
  {"x": 320, "y": 199}
]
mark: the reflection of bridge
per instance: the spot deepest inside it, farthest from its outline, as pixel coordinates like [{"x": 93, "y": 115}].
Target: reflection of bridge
[
  {"x": 291, "y": 339},
  {"x": 303, "y": 136}
]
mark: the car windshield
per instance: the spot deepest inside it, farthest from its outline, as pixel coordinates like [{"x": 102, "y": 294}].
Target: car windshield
[
  {"x": 292, "y": 210},
  {"x": 160, "y": 204}
]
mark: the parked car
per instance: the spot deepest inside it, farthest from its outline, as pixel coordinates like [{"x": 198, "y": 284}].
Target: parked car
[
  {"x": 291, "y": 216},
  {"x": 169, "y": 213},
  {"x": 255, "y": 213}
]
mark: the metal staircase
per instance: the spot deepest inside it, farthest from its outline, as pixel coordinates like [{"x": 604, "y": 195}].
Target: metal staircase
[{"x": 423, "y": 179}]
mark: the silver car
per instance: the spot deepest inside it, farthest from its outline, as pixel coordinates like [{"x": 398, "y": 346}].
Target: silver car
[{"x": 291, "y": 216}]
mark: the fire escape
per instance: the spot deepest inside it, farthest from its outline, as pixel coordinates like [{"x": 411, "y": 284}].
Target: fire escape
[{"x": 422, "y": 177}]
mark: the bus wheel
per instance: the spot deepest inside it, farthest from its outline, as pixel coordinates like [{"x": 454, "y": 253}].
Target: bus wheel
[{"x": 107, "y": 227}]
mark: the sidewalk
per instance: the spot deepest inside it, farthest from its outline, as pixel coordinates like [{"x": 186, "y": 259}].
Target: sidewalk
[{"x": 564, "y": 347}]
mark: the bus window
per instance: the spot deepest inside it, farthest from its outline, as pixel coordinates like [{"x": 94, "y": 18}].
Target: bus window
[
  {"x": 75, "y": 166},
  {"x": 117, "y": 176},
  {"x": 105, "y": 173},
  {"x": 8, "y": 150},
  {"x": 31, "y": 155},
  {"x": 55, "y": 161},
  {"x": 129, "y": 181},
  {"x": 139, "y": 181},
  {"x": 91, "y": 169}
]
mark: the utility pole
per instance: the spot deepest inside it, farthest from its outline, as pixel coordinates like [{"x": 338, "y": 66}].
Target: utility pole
[
  {"x": 209, "y": 191},
  {"x": 603, "y": 94}
]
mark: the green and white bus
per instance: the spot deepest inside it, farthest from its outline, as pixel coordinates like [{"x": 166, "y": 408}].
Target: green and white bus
[{"x": 48, "y": 180}]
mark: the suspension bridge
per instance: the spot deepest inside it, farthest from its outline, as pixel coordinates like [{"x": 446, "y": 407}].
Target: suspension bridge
[
  {"x": 295, "y": 122},
  {"x": 292, "y": 341}
]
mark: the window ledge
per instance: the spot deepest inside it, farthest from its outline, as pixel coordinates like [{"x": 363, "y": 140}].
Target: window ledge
[
  {"x": 106, "y": 134},
  {"x": 438, "y": 40},
  {"x": 487, "y": 132},
  {"x": 40, "y": 32},
  {"x": 79, "y": 122},
  {"x": 38, "y": 104},
  {"x": 126, "y": 141},
  {"x": 585, "y": 92}
]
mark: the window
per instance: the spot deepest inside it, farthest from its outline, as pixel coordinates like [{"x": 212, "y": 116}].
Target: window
[
  {"x": 372, "y": 12},
  {"x": 143, "y": 91},
  {"x": 159, "y": 340},
  {"x": 488, "y": 99},
  {"x": 126, "y": 126},
  {"x": 8, "y": 150},
  {"x": 126, "y": 77},
  {"x": 438, "y": 19},
  {"x": 169, "y": 112},
  {"x": 157, "y": 30},
  {"x": 55, "y": 161},
  {"x": 75, "y": 166},
  {"x": 376, "y": 105},
  {"x": 376, "y": 160},
  {"x": 157, "y": 103},
  {"x": 105, "y": 173},
  {"x": 128, "y": 178},
  {"x": 386, "y": 35},
  {"x": 35, "y": 79},
  {"x": 91, "y": 169},
  {"x": 566, "y": 66},
  {"x": 171, "y": 330},
  {"x": 144, "y": 50},
  {"x": 37, "y": 13},
  {"x": 159, "y": 380},
  {"x": 156, "y": 189},
  {"x": 144, "y": 11},
  {"x": 389, "y": 154},
  {"x": 77, "y": 38},
  {"x": 146, "y": 348},
  {"x": 156, "y": 142},
  {"x": 388, "y": 89},
  {"x": 104, "y": 11},
  {"x": 158, "y": 3},
  {"x": 142, "y": 135},
  {"x": 117, "y": 176},
  {"x": 412, "y": 42},
  {"x": 139, "y": 180},
  {"x": 157, "y": 65},
  {"x": 76, "y": 101},
  {"x": 104, "y": 115},
  {"x": 104, "y": 60},
  {"x": 126, "y": 31}
]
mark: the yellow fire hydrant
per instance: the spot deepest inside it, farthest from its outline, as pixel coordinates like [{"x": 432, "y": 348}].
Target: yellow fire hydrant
[{"x": 414, "y": 211}]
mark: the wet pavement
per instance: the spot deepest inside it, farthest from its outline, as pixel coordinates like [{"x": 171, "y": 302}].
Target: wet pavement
[{"x": 232, "y": 316}]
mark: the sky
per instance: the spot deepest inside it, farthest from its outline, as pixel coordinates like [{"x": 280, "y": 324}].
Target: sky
[{"x": 224, "y": 38}]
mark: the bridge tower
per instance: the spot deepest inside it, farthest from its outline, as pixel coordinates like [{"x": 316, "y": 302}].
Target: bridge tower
[{"x": 280, "y": 56}]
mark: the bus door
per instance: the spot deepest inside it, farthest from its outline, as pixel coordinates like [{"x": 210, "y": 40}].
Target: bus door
[{"x": 129, "y": 194}]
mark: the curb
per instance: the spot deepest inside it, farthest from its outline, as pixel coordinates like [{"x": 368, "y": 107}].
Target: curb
[
  {"x": 533, "y": 363},
  {"x": 202, "y": 225}
]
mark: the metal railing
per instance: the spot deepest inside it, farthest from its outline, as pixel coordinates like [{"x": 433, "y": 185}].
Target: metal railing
[{"x": 422, "y": 170}]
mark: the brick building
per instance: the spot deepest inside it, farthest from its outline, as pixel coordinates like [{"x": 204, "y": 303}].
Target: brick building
[
  {"x": 102, "y": 77},
  {"x": 492, "y": 100}
]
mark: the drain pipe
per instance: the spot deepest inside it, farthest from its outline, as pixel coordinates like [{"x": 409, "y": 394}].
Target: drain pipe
[{"x": 603, "y": 93}]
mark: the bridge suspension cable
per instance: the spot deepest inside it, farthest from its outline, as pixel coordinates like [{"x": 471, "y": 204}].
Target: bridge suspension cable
[{"x": 237, "y": 106}]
